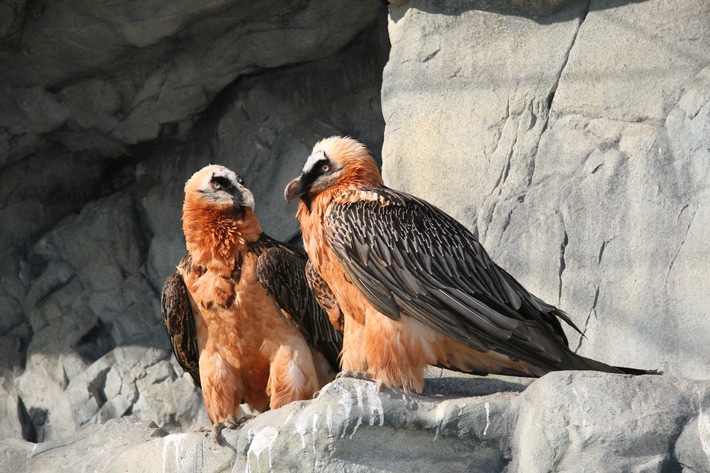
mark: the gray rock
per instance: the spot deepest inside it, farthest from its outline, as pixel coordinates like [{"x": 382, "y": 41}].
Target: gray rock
[
  {"x": 566, "y": 421},
  {"x": 10, "y": 427},
  {"x": 138, "y": 381},
  {"x": 693, "y": 446},
  {"x": 530, "y": 7},
  {"x": 576, "y": 148},
  {"x": 578, "y": 140},
  {"x": 98, "y": 229},
  {"x": 599, "y": 422},
  {"x": 11, "y": 16},
  {"x": 127, "y": 95}
]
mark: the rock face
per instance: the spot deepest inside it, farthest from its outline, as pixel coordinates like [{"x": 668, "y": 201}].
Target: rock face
[
  {"x": 103, "y": 117},
  {"x": 563, "y": 422},
  {"x": 571, "y": 137},
  {"x": 577, "y": 147}
]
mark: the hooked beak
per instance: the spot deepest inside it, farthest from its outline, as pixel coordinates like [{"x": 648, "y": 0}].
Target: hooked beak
[{"x": 294, "y": 189}]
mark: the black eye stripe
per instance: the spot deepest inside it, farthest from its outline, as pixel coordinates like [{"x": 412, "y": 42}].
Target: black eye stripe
[
  {"x": 222, "y": 181},
  {"x": 320, "y": 163}
]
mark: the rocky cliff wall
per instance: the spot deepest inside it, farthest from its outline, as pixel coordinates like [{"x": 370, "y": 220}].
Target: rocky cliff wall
[
  {"x": 572, "y": 136},
  {"x": 577, "y": 146},
  {"x": 105, "y": 112}
]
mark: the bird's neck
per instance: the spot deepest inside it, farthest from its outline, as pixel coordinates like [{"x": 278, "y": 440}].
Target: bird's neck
[
  {"x": 312, "y": 219},
  {"x": 218, "y": 233}
]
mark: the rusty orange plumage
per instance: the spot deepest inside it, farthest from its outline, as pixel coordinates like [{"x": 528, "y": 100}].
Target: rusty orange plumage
[
  {"x": 414, "y": 286},
  {"x": 240, "y": 316}
]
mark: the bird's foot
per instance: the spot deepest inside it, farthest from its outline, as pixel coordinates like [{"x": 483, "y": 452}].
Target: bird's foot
[{"x": 228, "y": 423}]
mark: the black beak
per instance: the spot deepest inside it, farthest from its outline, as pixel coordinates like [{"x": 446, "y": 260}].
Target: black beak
[{"x": 295, "y": 189}]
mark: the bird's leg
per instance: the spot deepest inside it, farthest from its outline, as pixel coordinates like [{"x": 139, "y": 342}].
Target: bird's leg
[{"x": 228, "y": 423}]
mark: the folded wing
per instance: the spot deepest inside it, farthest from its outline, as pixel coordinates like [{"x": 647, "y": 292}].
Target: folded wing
[
  {"x": 281, "y": 270},
  {"x": 409, "y": 258},
  {"x": 180, "y": 324}
]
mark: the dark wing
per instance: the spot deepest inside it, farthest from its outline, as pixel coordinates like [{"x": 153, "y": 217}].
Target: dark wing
[
  {"x": 408, "y": 257},
  {"x": 324, "y": 295},
  {"x": 281, "y": 270},
  {"x": 180, "y": 324}
]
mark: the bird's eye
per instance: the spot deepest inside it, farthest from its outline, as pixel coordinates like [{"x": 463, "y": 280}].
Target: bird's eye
[
  {"x": 219, "y": 182},
  {"x": 326, "y": 168}
]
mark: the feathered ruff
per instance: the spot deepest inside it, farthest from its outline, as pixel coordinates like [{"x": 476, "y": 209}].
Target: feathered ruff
[{"x": 217, "y": 233}]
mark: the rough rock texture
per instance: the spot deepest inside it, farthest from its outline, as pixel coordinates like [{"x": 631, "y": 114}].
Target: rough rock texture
[
  {"x": 562, "y": 422},
  {"x": 105, "y": 111},
  {"x": 577, "y": 146},
  {"x": 571, "y": 136}
]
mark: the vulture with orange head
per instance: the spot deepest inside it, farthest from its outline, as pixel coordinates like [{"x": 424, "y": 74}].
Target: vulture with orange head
[
  {"x": 412, "y": 286},
  {"x": 239, "y": 312}
]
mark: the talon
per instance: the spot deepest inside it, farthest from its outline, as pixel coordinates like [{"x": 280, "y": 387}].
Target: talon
[
  {"x": 235, "y": 424},
  {"x": 315, "y": 394},
  {"x": 228, "y": 423},
  {"x": 216, "y": 432}
]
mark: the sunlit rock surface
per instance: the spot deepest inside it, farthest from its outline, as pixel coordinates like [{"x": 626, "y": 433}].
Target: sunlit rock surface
[
  {"x": 570, "y": 136},
  {"x": 561, "y": 422},
  {"x": 576, "y": 145}
]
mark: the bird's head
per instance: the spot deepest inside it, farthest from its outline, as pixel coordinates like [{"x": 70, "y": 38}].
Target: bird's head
[
  {"x": 218, "y": 188},
  {"x": 335, "y": 162}
]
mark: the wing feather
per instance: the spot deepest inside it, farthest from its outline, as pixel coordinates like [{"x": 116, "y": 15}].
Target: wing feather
[
  {"x": 408, "y": 257},
  {"x": 281, "y": 270},
  {"x": 180, "y": 324},
  {"x": 325, "y": 297}
]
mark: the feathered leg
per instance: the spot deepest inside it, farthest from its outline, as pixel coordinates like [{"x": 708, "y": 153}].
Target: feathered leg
[
  {"x": 293, "y": 376},
  {"x": 222, "y": 391}
]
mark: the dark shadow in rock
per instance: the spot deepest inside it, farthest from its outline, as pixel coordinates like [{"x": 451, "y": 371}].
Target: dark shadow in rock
[
  {"x": 96, "y": 342},
  {"x": 470, "y": 386},
  {"x": 541, "y": 11},
  {"x": 29, "y": 432}
]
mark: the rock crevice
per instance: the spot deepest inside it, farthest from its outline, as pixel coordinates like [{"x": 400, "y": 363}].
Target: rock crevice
[{"x": 571, "y": 137}]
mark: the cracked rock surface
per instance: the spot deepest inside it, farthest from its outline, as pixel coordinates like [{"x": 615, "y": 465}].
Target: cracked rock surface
[
  {"x": 576, "y": 146},
  {"x": 105, "y": 111},
  {"x": 566, "y": 421},
  {"x": 571, "y": 136}
]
